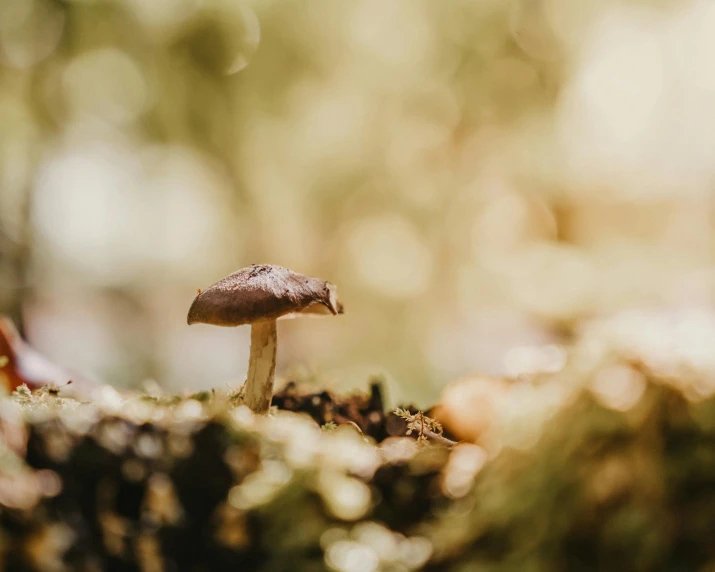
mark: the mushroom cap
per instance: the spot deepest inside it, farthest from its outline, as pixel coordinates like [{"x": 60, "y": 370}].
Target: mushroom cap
[{"x": 263, "y": 292}]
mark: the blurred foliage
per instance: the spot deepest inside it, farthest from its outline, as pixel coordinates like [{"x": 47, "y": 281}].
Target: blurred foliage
[
  {"x": 473, "y": 175},
  {"x": 603, "y": 489}
]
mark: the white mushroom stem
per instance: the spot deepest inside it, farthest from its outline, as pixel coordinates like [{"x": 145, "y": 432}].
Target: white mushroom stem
[{"x": 261, "y": 367}]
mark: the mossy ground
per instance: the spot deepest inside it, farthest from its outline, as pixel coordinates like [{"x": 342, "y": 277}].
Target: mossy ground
[{"x": 196, "y": 483}]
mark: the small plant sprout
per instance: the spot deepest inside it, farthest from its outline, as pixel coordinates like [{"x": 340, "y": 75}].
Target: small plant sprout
[
  {"x": 425, "y": 427},
  {"x": 45, "y": 396},
  {"x": 53, "y": 389},
  {"x": 22, "y": 392},
  {"x": 235, "y": 396},
  {"x": 258, "y": 296}
]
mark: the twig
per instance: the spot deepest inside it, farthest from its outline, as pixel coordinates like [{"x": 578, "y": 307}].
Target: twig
[
  {"x": 426, "y": 427},
  {"x": 436, "y": 437}
]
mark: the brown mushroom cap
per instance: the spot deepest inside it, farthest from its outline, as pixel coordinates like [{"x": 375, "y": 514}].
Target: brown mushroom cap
[{"x": 262, "y": 292}]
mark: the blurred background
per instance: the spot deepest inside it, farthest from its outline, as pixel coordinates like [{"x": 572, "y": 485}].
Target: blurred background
[{"x": 477, "y": 177}]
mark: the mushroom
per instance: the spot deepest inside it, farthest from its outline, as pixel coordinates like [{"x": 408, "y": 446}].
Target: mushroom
[{"x": 259, "y": 295}]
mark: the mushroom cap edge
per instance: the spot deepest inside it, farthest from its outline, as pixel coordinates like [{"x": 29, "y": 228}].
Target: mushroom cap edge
[{"x": 260, "y": 293}]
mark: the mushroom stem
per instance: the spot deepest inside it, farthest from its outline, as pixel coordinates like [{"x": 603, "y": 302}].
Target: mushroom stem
[{"x": 261, "y": 367}]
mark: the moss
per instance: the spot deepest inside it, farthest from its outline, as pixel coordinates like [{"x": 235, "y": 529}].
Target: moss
[{"x": 192, "y": 482}]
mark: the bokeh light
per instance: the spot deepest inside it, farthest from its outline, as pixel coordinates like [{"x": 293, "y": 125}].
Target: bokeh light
[{"x": 478, "y": 178}]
